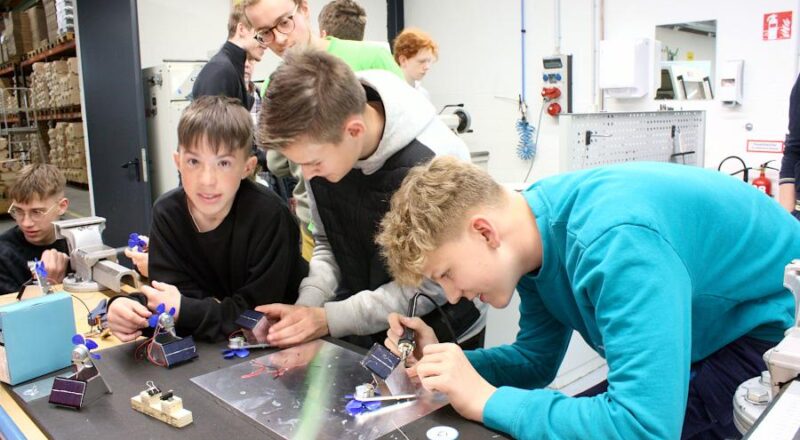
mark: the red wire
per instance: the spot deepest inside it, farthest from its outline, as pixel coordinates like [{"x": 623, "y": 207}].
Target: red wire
[{"x": 147, "y": 344}]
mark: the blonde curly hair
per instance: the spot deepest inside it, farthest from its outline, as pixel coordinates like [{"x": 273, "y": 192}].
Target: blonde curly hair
[{"x": 429, "y": 209}]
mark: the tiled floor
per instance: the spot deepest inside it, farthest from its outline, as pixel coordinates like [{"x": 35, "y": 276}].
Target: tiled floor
[{"x": 79, "y": 206}]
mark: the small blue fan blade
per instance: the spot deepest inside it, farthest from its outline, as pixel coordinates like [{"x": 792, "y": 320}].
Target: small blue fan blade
[
  {"x": 242, "y": 352},
  {"x": 227, "y": 354},
  {"x": 160, "y": 309},
  {"x": 172, "y": 311},
  {"x": 77, "y": 339},
  {"x": 354, "y": 407},
  {"x": 153, "y": 321},
  {"x": 91, "y": 345},
  {"x": 94, "y": 355}
]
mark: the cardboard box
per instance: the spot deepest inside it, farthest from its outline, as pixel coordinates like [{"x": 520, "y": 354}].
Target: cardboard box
[
  {"x": 38, "y": 24},
  {"x": 35, "y": 337},
  {"x": 72, "y": 65}
]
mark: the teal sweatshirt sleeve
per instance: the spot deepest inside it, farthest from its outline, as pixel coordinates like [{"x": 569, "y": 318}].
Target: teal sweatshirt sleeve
[
  {"x": 533, "y": 359},
  {"x": 642, "y": 309}
]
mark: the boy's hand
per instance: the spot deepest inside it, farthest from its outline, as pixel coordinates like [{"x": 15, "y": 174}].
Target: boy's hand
[
  {"x": 295, "y": 324},
  {"x": 139, "y": 259},
  {"x": 126, "y": 318},
  {"x": 444, "y": 368},
  {"x": 55, "y": 263},
  {"x": 423, "y": 336},
  {"x": 164, "y": 293}
]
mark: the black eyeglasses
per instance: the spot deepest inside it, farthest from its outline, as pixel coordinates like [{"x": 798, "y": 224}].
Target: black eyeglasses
[{"x": 284, "y": 26}]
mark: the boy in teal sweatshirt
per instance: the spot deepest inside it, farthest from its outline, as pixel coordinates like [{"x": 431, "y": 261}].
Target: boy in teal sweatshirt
[{"x": 672, "y": 273}]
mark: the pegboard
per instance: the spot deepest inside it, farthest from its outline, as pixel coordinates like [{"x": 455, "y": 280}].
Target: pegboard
[{"x": 595, "y": 139}]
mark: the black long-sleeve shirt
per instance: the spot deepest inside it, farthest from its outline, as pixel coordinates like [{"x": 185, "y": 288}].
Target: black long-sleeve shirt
[
  {"x": 15, "y": 252},
  {"x": 252, "y": 258},
  {"x": 790, "y": 165},
  {"x": 224, "y": 75}
]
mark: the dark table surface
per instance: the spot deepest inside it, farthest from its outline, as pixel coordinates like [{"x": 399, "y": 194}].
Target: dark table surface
[{"x": 111, "y": 416}]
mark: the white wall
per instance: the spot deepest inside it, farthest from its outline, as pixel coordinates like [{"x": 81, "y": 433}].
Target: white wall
[
  {"x": 181, "y": 29},
  {"x": 770, "y": 68},
  {"x": 480, "y": 65},
  {"x": 196, "y": 29}
]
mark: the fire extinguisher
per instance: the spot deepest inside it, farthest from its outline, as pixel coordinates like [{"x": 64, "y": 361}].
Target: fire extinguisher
[{"x": 762, "y": 182}]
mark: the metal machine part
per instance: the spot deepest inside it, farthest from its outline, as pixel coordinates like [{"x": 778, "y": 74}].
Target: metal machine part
[
  {"x": 457, "y": 119},
  {"x": 95, "y": 264},
  {"x": 783, "y": 361},
  {"x": 239, "y": 342}
]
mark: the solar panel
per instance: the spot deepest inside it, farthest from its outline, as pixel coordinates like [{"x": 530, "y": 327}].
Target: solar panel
[
  {"x": 248, "y": 319},
  {"x": 68, "y": 392},
  {"x": 380, "y": 361},
  {"x": 179, "y": 351}
]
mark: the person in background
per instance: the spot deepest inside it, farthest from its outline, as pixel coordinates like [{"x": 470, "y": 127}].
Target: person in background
[
  {"x": 249, "y": 67},
  {"x": 37, "y": 200},
  {"x": 343, "y": 19},
  {"x": 789, "y": 183},
  {"x": 223, "y": 75},
  {"x": 415, "y": 51}
]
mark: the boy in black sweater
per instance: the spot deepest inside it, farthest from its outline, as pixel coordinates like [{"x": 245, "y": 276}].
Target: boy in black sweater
[
  {"x": 37, "y": 200},
  {"x": 220, "y": 244}
]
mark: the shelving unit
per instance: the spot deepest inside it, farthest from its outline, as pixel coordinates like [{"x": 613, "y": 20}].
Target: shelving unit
[{"x": 59, "y": 142}]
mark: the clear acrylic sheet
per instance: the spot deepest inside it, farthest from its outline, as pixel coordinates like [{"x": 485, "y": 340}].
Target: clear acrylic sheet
[{"x": 307, "y": 399}]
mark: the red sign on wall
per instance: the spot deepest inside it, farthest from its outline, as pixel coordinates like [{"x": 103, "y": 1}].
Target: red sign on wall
[{"x": 778, "y": 25}]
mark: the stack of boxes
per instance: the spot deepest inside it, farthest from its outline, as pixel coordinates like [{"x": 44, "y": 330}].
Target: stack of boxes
[
  {"x": 67, "y": 150},
  {"x": 32, "y": 140},
  {"x": 8, "y": 173},
  {"x": 60, "y": 17},
  {"x": 8, "y": 98},
  {"x": 17, "y": 38},
  {"x": 38, "y": 25},
  {"x": 40, "y": 89},
  {"x": 56, "y": 84}
]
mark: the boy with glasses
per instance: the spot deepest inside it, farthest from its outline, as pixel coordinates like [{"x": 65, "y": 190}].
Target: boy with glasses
[
  {"x": 283, "y": 24},
  {"x": 224, "y": 73},
  {"x": 37, "y": 201}
]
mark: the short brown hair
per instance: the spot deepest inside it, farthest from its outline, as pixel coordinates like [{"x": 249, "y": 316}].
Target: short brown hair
[
  {"x": 343, "y": 19},
  {"x": 42, "y": 180},
  {"x": 311, "y": 94},
  {"x": 430, "y": 208},
  {"x": 219, "y": 120},
  {"x": 237, "y": 16},
  {"x": 411, "y": 41}
]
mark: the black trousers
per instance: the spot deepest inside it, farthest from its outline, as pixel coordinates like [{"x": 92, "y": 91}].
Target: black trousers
[{"x": 713, "y": 381}]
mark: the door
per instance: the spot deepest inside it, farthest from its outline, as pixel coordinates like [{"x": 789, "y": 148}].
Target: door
[{"x": 108, "y": 48}]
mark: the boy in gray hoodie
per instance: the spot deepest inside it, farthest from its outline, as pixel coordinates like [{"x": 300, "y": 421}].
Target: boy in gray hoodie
[{"x": 355, "y": 136}]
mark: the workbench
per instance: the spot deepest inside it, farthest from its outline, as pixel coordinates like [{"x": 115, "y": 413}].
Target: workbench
[{"x": 112, "y": 415}]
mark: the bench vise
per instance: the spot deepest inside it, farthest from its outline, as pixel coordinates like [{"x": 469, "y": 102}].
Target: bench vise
[{"x": 95, "y": 264}]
